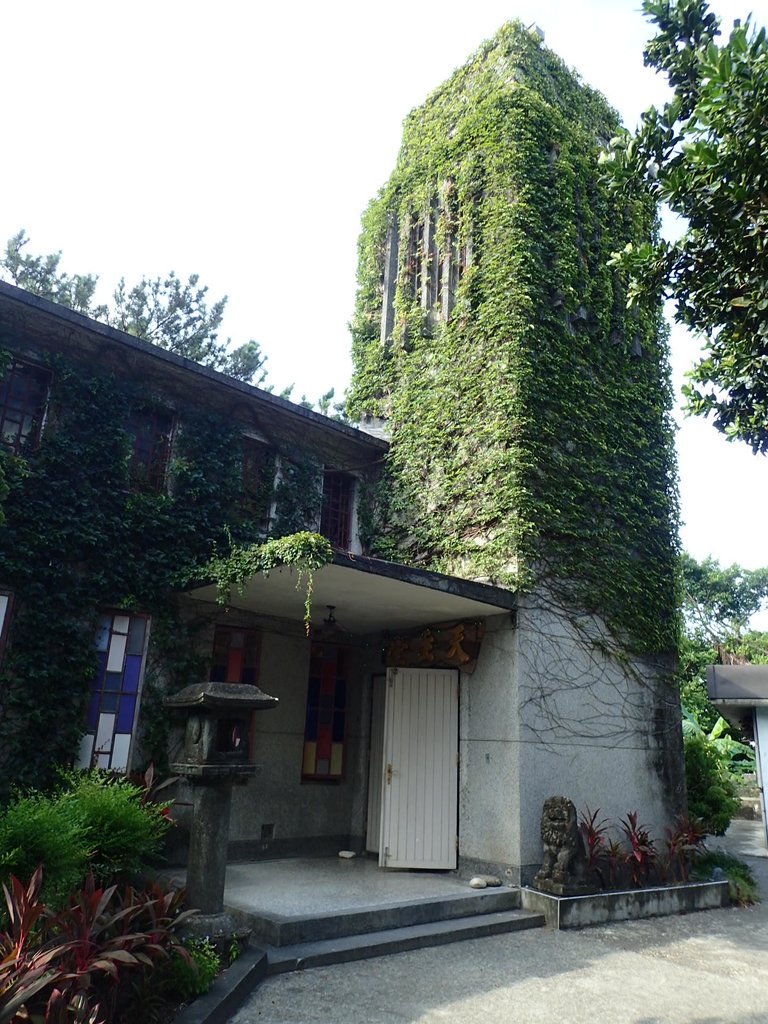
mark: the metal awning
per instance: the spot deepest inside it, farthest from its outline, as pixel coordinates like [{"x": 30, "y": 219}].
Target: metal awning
[
  {"x": 369, "y": 595},
  {"x": 738, "y": 686}
]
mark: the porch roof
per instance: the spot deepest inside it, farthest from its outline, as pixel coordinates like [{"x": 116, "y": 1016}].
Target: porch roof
[
  {"x": 369, "y": 595},
  {"x": 738, "y": 686}
]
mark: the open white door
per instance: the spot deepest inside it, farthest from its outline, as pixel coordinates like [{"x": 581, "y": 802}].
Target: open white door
[{"x": 420, "y": 761}]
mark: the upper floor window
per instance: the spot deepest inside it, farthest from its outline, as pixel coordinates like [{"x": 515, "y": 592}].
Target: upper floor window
[
  {"x": 336, "y": 511},
  {"x": 6, "y": 604},
  {"x": 23, "y": 395},
  {"x": 258, "y": 480},
  {"x": 150, "y": 431}
]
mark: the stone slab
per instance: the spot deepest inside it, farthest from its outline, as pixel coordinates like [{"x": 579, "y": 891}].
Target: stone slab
[
  {"x": 627, "y": 905},
  {"x": 397, "y": 940}
]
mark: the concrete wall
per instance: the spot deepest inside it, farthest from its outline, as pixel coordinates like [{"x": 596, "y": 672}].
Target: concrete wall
[
  {"x": 275, "y": 813},
  {"x": 595, "y": 726},
  {"x": 548, "y": 712},
  {"x": 489, "y": 755}
]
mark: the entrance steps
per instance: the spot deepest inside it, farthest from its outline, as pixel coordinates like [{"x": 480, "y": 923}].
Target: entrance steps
[{"x": 298, "y": 942}]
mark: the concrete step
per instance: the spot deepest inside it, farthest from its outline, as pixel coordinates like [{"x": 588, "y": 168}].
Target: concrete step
[
  {"x": 276, "y": 930},
  {"x": 281, "y": 959}
]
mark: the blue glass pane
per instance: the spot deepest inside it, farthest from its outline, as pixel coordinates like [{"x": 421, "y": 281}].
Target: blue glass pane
[
  {"x": 313, "y": 692},
  {"x": 341, "y": 693},
  {"x": 249, "y": 676},
  {"x": 136, "y": 635},
  {"x": 125, "y": 714},
  {"x": 310, "y": 731},
  {"x": 131, "y": 673},
  {"x": 338, "y": 727},
  {"x": 219, "y": 674},
  {"x": 109, "y": 702}
]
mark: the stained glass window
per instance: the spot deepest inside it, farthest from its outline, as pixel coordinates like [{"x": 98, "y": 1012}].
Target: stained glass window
[
  {"x": 235, "y": 656},
  {"x": 325, "y": 725},
  {"x": 120, "y": 644}
]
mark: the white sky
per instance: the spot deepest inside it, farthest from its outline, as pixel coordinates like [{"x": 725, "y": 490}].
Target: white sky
[{"x": 243, "y": 140}]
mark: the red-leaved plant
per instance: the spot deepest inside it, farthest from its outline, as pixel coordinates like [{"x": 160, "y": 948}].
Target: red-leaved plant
[
  {"x": 70, "y": 967},
  {"x": 593, "y": 832},
  {"x": 641, "y": 856},
  {"x": 682, "y": 843}
]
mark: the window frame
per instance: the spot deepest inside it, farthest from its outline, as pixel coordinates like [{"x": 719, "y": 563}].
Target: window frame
[
  {"x": 152, "y": 476},
  {"x": 24, "y": 441},
  {"x": 325, "y": 741},
  {"x": 5, "y": 620},
  {"x": 337, "y": 511},
  {"x": 257, "y": 480}
]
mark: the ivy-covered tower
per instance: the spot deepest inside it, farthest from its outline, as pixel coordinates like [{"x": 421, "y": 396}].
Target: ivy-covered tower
[{"x": 528, "y": 407}]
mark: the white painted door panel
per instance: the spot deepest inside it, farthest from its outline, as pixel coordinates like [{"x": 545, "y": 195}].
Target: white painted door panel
[
  {"x": 761, "y": 743},
  {"x": 420, "y": 769}
]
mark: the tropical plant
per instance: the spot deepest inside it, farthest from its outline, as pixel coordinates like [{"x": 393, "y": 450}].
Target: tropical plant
[
  {"x": 642, "y": 854},
  {"x": 71, "y": 966},
  {"x": 710, "y": 784},
  {"x": 683, "y": 845}
]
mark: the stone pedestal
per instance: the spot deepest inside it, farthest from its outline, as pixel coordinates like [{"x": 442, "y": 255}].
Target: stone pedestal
[{"x": 206, "y": 870}]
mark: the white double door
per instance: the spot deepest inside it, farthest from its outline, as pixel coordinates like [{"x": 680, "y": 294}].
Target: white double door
[{"x": 413, "y": 785}]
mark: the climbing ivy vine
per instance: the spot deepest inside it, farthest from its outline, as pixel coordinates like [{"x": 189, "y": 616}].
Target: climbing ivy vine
[
  {"x": 77, "y": 538},
  {"x": 531, "y": 432}
]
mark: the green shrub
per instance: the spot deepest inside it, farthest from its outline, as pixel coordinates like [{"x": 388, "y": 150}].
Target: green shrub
[
  {"x": 193, "y": 977},
  {"x": 742, "y": 887},
  {"x": 37, "y": 829},
  {"x": 711, "y": 788},
  {"x": 123, "y": 834}
]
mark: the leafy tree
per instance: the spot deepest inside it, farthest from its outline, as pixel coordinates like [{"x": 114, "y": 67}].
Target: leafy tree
[
  {"x": 706, "y": 155},
  {"x": 167, "y": 311},
  {"x": 718, "y": 604},
  {"x": 41, "y": 276}
]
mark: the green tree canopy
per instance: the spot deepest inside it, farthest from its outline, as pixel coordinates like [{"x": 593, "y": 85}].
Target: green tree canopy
[
  {"x": 166, "y": 311},
  {"x": 705, "y": 154},
  {"x": 718, "y": 604}
]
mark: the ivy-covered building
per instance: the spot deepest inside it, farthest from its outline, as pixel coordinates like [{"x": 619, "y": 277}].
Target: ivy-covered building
[
  {"x": 149, "y": 540},
  {"x": 528, "y": 408},
  {"x": 492, "y": 620}
]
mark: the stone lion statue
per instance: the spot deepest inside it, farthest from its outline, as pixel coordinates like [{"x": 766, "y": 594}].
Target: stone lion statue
[{"x": 564, "y": 869}]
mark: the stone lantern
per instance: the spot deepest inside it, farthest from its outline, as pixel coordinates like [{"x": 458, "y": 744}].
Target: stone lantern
[{"x": 215, "y": 754}]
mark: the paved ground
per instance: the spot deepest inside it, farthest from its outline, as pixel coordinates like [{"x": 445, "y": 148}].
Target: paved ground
[{"x": 706, "y": 968}]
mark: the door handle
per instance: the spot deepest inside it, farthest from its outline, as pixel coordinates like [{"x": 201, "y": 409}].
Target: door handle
[{"x": 389, "y": 773}]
